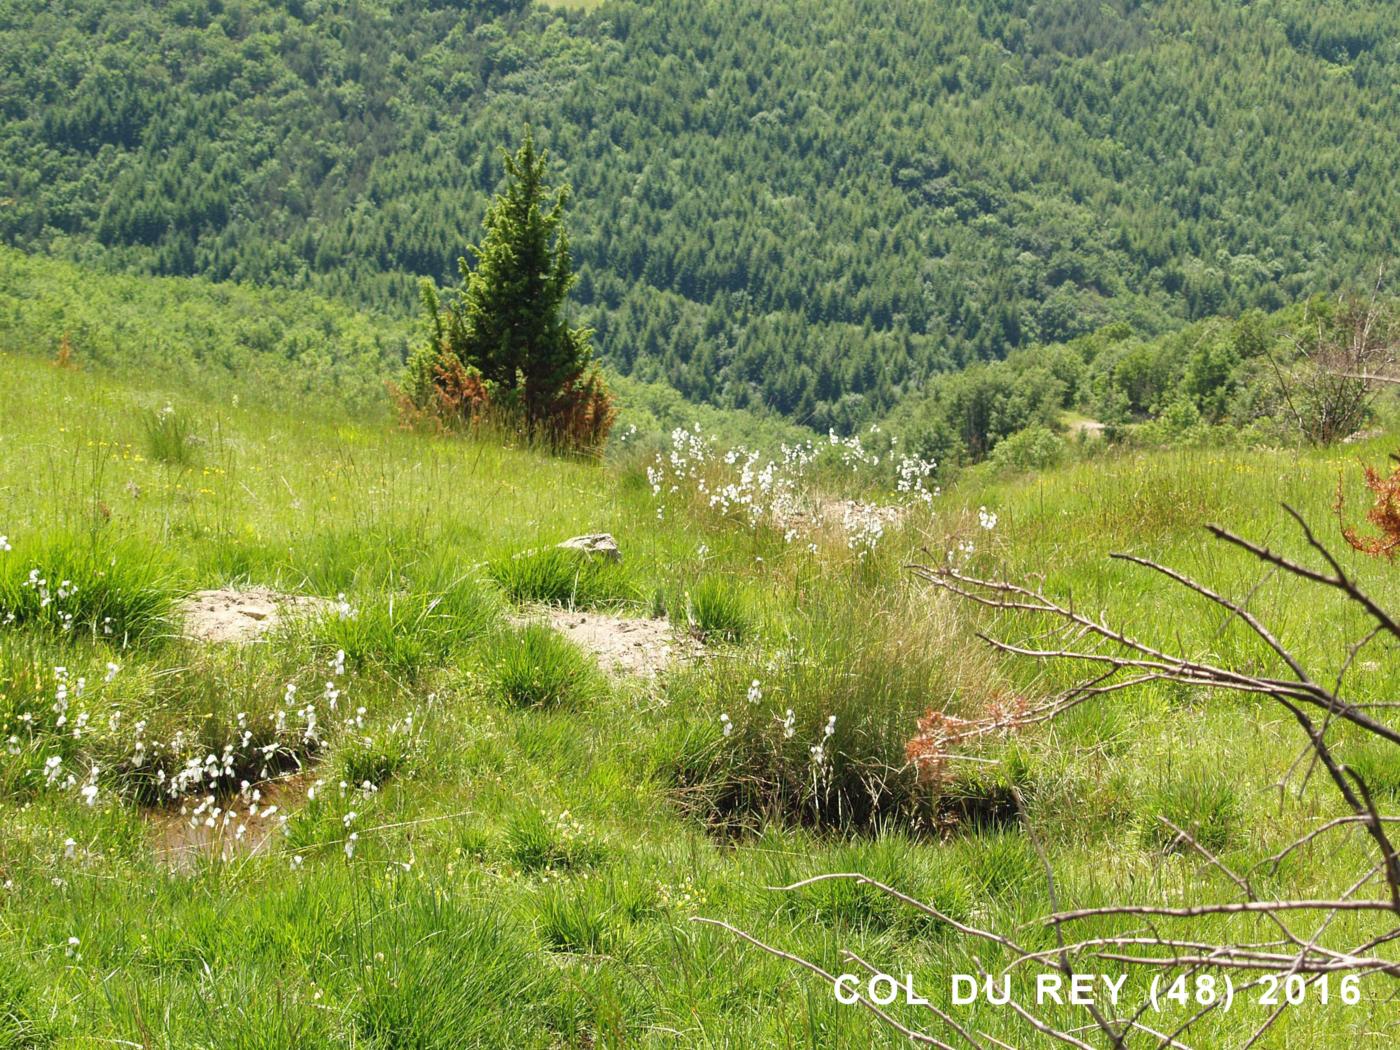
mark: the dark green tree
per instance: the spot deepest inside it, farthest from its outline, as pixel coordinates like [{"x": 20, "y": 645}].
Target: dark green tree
[{"x": 506, "y": 324}]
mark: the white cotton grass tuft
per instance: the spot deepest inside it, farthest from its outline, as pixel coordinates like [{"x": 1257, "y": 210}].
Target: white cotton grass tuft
[{"x": 754, "y": 489}]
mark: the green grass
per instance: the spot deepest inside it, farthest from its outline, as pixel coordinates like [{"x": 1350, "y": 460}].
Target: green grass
[
  {"x": 535, "y": 667},
  {"x": 563, "y": 577},
  {"x": 718, "y": 611},
  {"x": 531, "y": 838}
]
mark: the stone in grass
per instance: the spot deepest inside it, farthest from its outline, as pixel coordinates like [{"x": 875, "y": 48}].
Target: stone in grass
[{"x": 595, "y": 544}]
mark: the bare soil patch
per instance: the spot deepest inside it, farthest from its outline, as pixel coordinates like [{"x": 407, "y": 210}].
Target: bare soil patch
[
  {"x": 622, "y": 645},
  {"x": 229, "y": 615}
]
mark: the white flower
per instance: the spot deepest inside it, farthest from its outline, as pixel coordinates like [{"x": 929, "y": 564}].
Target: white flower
[
  {"x": 986, "y": 518},
  {"x": 727, "y": 724},
  {"x": 112, "y": 670},
  {"x": 350, "y": 844},
  {"x": 69, "y": 848},
  {"x": 5, "y": 544},
  {"x": 789, "y": 725},
  {"x": 755, "y": 692}
]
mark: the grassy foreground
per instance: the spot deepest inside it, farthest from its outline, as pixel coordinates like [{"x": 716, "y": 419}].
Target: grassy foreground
[{"x": 487, "y": 842}]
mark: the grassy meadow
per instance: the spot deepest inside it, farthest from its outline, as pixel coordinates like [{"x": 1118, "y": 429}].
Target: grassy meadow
[{"x": 478, "y": 838}]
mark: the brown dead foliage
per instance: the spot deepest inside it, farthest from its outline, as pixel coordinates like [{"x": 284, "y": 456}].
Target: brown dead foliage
[
  {"x": 930, "y": 750},
  {"x": 1384, "y": 514}
]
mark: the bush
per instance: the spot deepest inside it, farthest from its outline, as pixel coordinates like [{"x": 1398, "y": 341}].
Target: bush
[
  {"x": 535, "y": 667},
  {"x": 1035, "y": 448}
]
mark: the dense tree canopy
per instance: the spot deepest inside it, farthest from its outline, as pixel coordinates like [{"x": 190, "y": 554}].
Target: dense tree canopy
[{"x": 811, "y": 206}]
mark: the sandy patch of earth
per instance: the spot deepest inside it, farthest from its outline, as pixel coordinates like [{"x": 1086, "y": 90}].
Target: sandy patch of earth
[
  {"x": 622, "y": 645},
  {"x": 229, "y": 615}
]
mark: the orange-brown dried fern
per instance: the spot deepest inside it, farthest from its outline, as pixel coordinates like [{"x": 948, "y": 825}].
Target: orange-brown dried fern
[{"x": 1384, "y": 514}]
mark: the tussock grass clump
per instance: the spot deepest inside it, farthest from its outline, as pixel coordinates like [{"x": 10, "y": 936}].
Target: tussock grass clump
[
  {"x": 1377, "y": 763},
  {"x": 256, "y": 713},
  {"x": 439, "y": 972},
  {"x": 718, "y": 610},
  {"x": 814, "y": 735},
  {"x": 563, "y": 577},
  {"x": 117, "y": 592},
  {"x": 1200, "y": 801},
  {"x": 536, "y": 842},
  {"x": 201, "y": 720},
  {"x": 170, "y": 437},
  {"x": 407, "y": 632},
  {"x": 895, "y": 860},
  {"x": 576, "y": 918},
  {"x": 370, "y": 761},
  {"x": 535, "y": 667}
]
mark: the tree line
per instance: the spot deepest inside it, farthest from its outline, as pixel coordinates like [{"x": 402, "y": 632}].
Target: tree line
[{"x": 812, "y": 208}]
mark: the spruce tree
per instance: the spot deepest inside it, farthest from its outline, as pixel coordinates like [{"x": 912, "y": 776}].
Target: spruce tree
[{"x": 508, "y": 321}]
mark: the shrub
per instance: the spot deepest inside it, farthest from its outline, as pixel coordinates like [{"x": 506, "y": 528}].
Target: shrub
[
  {"x": 535, "y": 667},
  {"x": 1035, "y": 448},
  {"x": 554, "y": 576},
  {"x": 1384, "y": 514}
]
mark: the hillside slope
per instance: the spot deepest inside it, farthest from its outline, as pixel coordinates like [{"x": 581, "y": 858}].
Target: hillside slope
[
  {"x": 809, "y": 206},
  {"x": 454, "y": 831}
]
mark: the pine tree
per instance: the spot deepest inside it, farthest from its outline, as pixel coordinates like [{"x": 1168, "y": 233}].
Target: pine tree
[
  {"x": 506, "y": 323},
  {"x": 510, "y": 322}
]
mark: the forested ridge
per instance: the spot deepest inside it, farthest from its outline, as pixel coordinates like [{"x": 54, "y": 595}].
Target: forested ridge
[{"x": 804, "y": 205}]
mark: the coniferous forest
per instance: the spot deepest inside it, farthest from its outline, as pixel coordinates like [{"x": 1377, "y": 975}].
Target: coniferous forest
[{"x": 804, "y": 206}]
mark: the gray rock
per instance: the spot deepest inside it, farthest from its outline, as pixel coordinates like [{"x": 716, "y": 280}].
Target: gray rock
[{"x": 596, "y": 544}]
